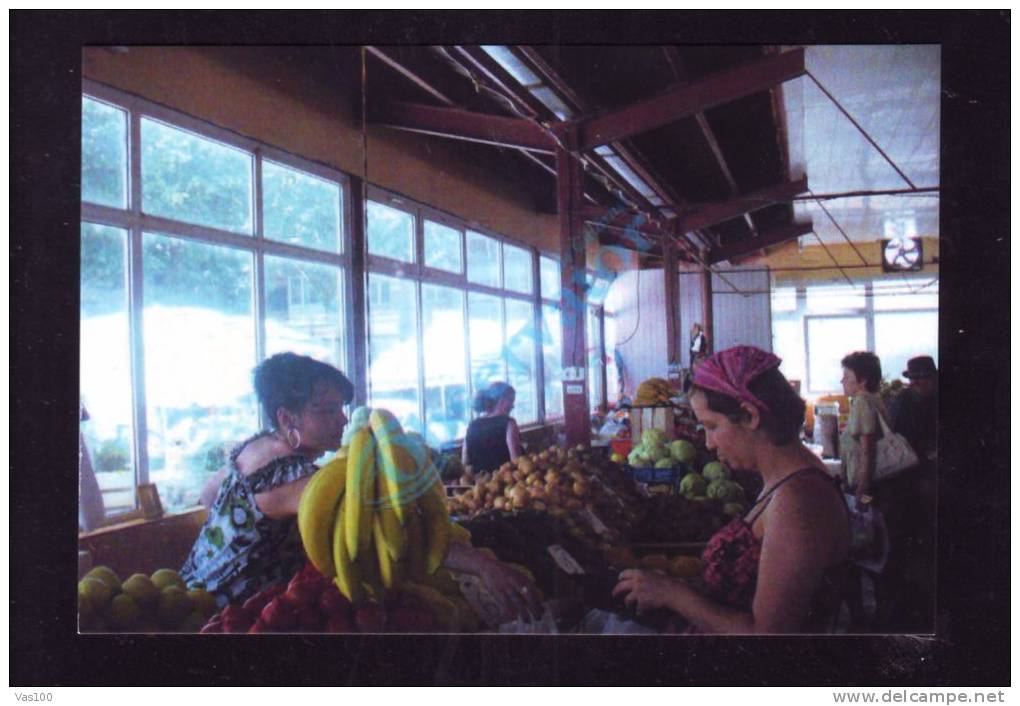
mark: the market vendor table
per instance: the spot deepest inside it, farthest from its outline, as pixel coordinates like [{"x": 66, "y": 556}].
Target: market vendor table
[{"x": 144, "y": 545}]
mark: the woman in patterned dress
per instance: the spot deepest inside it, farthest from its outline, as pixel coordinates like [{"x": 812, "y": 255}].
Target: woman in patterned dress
[
  {"x": 782, "y": 568},
  {"x": 251, "y": 539}
]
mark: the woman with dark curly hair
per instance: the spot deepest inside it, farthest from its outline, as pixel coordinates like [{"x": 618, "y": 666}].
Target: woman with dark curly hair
[
  {"x": 250, "y": 539},
  {"x": 782, "y": 568}
]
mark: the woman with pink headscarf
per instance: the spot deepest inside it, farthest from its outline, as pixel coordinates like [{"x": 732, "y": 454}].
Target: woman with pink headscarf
[{"x": 783, "y": 568}]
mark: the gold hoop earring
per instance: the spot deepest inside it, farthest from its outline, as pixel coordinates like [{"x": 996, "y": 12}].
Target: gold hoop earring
[{"x": 290, "y": 439}]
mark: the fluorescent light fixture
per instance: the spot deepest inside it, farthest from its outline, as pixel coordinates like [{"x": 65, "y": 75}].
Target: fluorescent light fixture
[
  {"x": 668, "y": 213},
  {"x": 551, "y": 101},
  {"x": 630, "y": 176},
  {"x": 604, "y": 150},
  {"x": 513, "y": 66},
  {"x": 656, "y": 201}
]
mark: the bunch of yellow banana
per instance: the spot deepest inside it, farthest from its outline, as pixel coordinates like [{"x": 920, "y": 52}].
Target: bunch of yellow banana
[
  {"x": 375, "y": 516},
  {"x": 652, "y": 392}
]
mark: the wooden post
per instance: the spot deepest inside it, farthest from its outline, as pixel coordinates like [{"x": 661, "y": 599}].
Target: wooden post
[
  {"x": 358, "y": 328},
  {"x": 671, "y": 285},
  {"x": 706, "y": 309},
  {"x": 572, "y": 277}
]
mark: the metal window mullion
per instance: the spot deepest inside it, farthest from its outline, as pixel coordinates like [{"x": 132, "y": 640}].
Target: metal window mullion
[
  {"x": 467, "y": 351},
  {"x": 419, "y": 255},
  {"x": 419, "y": 297},
  {"x": 136, "y": 301},
  {"x": 536, "y": 308},
  {"x": 869, "y": 317},
  {"x": 259, "y": 274}
]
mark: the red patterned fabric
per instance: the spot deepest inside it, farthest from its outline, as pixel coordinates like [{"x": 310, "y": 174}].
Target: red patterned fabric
[
  {"x": 730, "y": 371},
  {"x": 730, "y": 560}
]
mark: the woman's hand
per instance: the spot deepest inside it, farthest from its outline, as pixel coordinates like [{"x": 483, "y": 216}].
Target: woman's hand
[{"x": 648, "y": 590}]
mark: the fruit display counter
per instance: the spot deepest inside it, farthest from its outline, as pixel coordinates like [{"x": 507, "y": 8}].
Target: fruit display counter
[{"x": 376, "y": 523}]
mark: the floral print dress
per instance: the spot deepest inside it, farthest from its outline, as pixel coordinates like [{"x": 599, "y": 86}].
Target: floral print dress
[{"x": 239, "y": 550}]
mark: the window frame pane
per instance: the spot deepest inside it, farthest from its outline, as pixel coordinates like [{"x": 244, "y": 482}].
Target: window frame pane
[
  {"x": 131, "y": 218},
  {"x": 249, "y": 228},
  {"x": 280, "y": 161}
]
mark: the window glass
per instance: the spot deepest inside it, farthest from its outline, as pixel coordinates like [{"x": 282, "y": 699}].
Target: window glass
[
  {"x": 788, "y": 344},
  {"x": 390, "y": 232},
  {"x": 550, "y": 274},
  {"x": 446, "y": 391},
  {"x": 552, "y": 357},
  {"x": 890, "y": 295},
  {"x": 483, "y": 259},
  {"x": 393, "y": 348},
  {"x": 784, "y": 299},
  {"x": 199, "y": 354},
  {"x": 300, "y": 208},
  {"x": 303, "y": 309},
  {"x": 103, "y": 154},
  {"x": 194, "y": 179},
  {"x": 593, "y": 335},
  {"x": 485, "y": 339},
  {"x": 520, "y": 354},
  {"x": 517, "y": 269},
  {"x": 829, "y": 339},
  {"x": 105, "y": 363},
  {"x": 824, "y": 299},
  {"x": 899, "y": 337},
  {"x": 612, "y": 372},
  {"x": 443, "y": 247}
]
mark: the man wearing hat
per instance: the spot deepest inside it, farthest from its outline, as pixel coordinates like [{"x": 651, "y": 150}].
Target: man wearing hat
[
  {"x": 911, "y": 576},
  {"x": 915, "y": 411}
]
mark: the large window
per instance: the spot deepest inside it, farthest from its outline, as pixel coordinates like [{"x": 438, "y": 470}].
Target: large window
[
  {"x": 815, "y": 324},
  {"x": 187, "y": 283},
  {"x": 451, "y": 310}
]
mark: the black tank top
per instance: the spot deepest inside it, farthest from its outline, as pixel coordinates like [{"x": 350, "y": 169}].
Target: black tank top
[{"x": 486, "y": 443}]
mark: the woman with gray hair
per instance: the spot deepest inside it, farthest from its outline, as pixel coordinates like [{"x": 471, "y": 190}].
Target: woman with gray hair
[{"x": 494, "y": 437}]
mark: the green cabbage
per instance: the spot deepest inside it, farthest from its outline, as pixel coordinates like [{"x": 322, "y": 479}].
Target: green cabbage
[
  {"x": 656, "y": 452},
  {"x": 693, "y": 485},
  {"x": 716, "y": 470},
  {"x": 724, "y": 490},
  {"x": 664, "y": 463},
  {"x": 653, "y": 437},
  {"x": 637, "y": 459},
  {"x": 682, "y": 450}
]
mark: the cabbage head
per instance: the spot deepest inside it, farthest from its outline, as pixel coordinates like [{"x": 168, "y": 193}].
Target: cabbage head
[
  {"x": 716, "y": 470},
  {"x": 637, "y": 459},
  {"x": 653, "y": 437},
  {"x": 664, "y": 463},
  {"x": 725, "y": 491},
  {"x": 656, "y": 452},
  {"x": 682, "y": 450},
  {"x": 693, "y": 485}
]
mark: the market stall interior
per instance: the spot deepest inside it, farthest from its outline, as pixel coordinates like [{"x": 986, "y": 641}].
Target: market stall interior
[{"x": 575, "y": 222}]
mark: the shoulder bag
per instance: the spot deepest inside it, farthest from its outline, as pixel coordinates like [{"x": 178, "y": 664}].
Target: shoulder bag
[{"x": 893, "y": 453}]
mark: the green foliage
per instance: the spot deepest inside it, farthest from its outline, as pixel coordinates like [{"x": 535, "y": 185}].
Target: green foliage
[{"x": 112, "y": 455}]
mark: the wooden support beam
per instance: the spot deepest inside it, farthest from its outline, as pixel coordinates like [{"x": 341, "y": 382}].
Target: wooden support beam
[
  {"x": 410, "y": 75},
  {"x": 672, "y": 286},
  {"x": 707, "y": 320},
  {"x": 462, "y": 125},
  {"x": 683, "y": 101},
  {"x": 358, "y": 329},
  {"x": 766, "y": 239},
  {"x": 572, "y": 284},
  {"x": 705, "y": 215}
]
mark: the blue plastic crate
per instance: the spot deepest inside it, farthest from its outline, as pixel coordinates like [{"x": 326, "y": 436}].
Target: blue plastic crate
[{"x": 658, "y": 476}]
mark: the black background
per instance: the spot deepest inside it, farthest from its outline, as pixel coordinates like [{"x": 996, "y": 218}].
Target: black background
[{"x": 972, "y": 643}]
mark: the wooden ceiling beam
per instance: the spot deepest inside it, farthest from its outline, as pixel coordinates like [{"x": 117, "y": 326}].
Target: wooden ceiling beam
[
  {"x": 706, "y": 215},
  {"x": 682, "y": 101},
  {"x": 767, "y": 238},
  {"x": 463, "y": 125}
]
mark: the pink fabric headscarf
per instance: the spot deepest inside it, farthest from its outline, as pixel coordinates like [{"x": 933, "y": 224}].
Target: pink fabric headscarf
[{"x": 730, "y": 371}]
